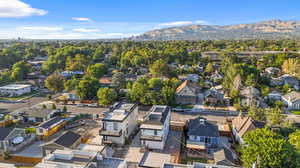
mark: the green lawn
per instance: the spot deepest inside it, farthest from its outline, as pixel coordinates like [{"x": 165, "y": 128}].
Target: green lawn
[
  {"x": 18, "y": 97},
  {"x": 297, "y": 112},
  {"x": 185, "y": 106}
]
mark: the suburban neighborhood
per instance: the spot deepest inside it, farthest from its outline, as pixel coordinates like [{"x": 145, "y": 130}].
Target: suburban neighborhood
[{"x": 184, "y": 94}]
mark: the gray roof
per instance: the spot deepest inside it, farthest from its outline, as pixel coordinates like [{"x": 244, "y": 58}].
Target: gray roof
[
  {"x": 4, "y": 132},
  {"x": 51, "y": 122},
  {"x": 68, "y": 139},
  {"x": 292, "y": 96},
  {"x": 158, "y": 115},
  {"x": 197, "y": 128}
]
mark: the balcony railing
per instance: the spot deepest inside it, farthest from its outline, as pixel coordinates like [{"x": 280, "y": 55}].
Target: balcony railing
[
  {"x": 151, "y": 137},
  {"x": 195, "y": 143},
  {"x": 110, "y": 133}
]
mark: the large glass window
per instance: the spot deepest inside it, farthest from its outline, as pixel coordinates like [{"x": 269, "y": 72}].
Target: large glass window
[{"x": 115, "y": 125}]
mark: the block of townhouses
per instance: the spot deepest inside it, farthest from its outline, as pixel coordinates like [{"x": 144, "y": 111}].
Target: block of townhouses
[
  {"x": 155, "y": 128},
  {"x": 119, "y": 123}
]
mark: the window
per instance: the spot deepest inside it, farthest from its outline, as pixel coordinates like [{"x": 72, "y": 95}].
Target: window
[
  {"x": 201, "y": 139},
  {"x": 115, "y": 125},
  {"x": 155, "y": 132}
]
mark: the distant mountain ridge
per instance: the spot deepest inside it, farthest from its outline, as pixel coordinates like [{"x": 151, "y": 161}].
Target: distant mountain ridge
[{"x": 271, "y": 29}]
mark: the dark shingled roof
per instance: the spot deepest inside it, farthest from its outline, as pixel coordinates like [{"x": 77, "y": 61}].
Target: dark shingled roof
[
  {"x": 68, "y": 139},
  {"x": 195, "y": 127},
  {"x": 4, "y": 132},
  {"x": 50, "y": 122}
]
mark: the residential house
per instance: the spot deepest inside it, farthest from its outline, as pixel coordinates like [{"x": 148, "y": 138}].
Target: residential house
[
  {"x": 195, "y": 165},
  {"x": 69, "y": 74},
  {"x": 14, "y": 90},
  {"x": 154, "y": 160},
  {"x": 250, "y": 96},
  {"x": 68, "y": 140},
  {"x": 119, "y": 124},
  {"x": 292, "y": 100},
  {"x": 274, "y": 95},
  {"x": 242, "y": 125},
  {"x": 201, "y": 135},
  {"x": 225, "y": 157},
  {"x": 285, "y": 79},
  {"x": 14, "y": 139},
  {"x": 106, "y": 80},
  {"x": 155, "y": 128},
  {"x": 214, "y": 97},
  {"x": 37, "y": 115},
  {"x": 272, "y": 71},
  {"x": 187, "y": 93},
  {"x": 216, "y": 77},
  {"x": 69, "y": 159},
  {"x": 50, "y": 127},
  {"x": 5, "y": 120},
  {"x": 193, "y": 77},
  {"x": 110, "y": 162}
]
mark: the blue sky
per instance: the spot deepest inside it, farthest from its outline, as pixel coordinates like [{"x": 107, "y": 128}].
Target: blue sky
[{"x": 93, "y": 19}]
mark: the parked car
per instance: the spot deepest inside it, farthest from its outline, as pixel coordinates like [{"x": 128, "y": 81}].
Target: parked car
[
  {"x": 80, "y": 105},
  {"x": 93, "y": 105}
]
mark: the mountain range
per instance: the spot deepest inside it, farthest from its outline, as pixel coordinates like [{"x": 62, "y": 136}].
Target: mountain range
[{"x": 271, "y": 29}]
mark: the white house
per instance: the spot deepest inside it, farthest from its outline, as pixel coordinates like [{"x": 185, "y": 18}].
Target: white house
[
  {"x": 118, "y": 125},
  {"x": 155, "y": 128},
  {"x": 14, "y": 90},
  {"x": 68, "y": 158},
  {"x": 292, "y": 100}
]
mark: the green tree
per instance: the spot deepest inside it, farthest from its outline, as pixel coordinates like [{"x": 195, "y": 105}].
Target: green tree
[
  {"x": 106, "y": 96},
  {"x": 155, "y": 83},
  {"x": 250, "y": 80},
  {"x": 209, "y": 68},
  {"x": 87, "y": 88},
  {"x": 96, "y": 70},
  {"x": 118, "y": 80},
  {"x": 55, "y": 82},
  {"x": 159, "y": 68},
  {"x": 257, "y": 113},
  {"x": 274, "y": 116},
  {"x": 19, "y": 71},
  {"x": 294, "y": 139},
  {"x": 71, "y": 84},
  {"x": 268, "y": 150}
]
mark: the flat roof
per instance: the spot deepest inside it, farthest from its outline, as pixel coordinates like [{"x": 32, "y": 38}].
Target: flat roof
[
  {"x": 14, "y": 86},
  {"x": 155, "y": 160},
  {"x": 88, "y": 147},
  {"x": 120, "y": 112}
]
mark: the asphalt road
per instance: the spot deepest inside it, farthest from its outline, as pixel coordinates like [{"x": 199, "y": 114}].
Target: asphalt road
[{"x": 10, "y": 107}]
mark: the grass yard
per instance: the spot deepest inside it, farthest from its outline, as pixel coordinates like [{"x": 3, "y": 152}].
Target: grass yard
[{"x": 297, "y": 112}]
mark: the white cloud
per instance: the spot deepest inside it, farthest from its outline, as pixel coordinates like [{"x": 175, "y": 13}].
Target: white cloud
[
  {"x": 40, "y": 28},
  {"x": 17, "y": 8},
  {"x": 84, "y": 30},
  {"x": 81, "y": 19},
  {"x": 180, "y": 23}
]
